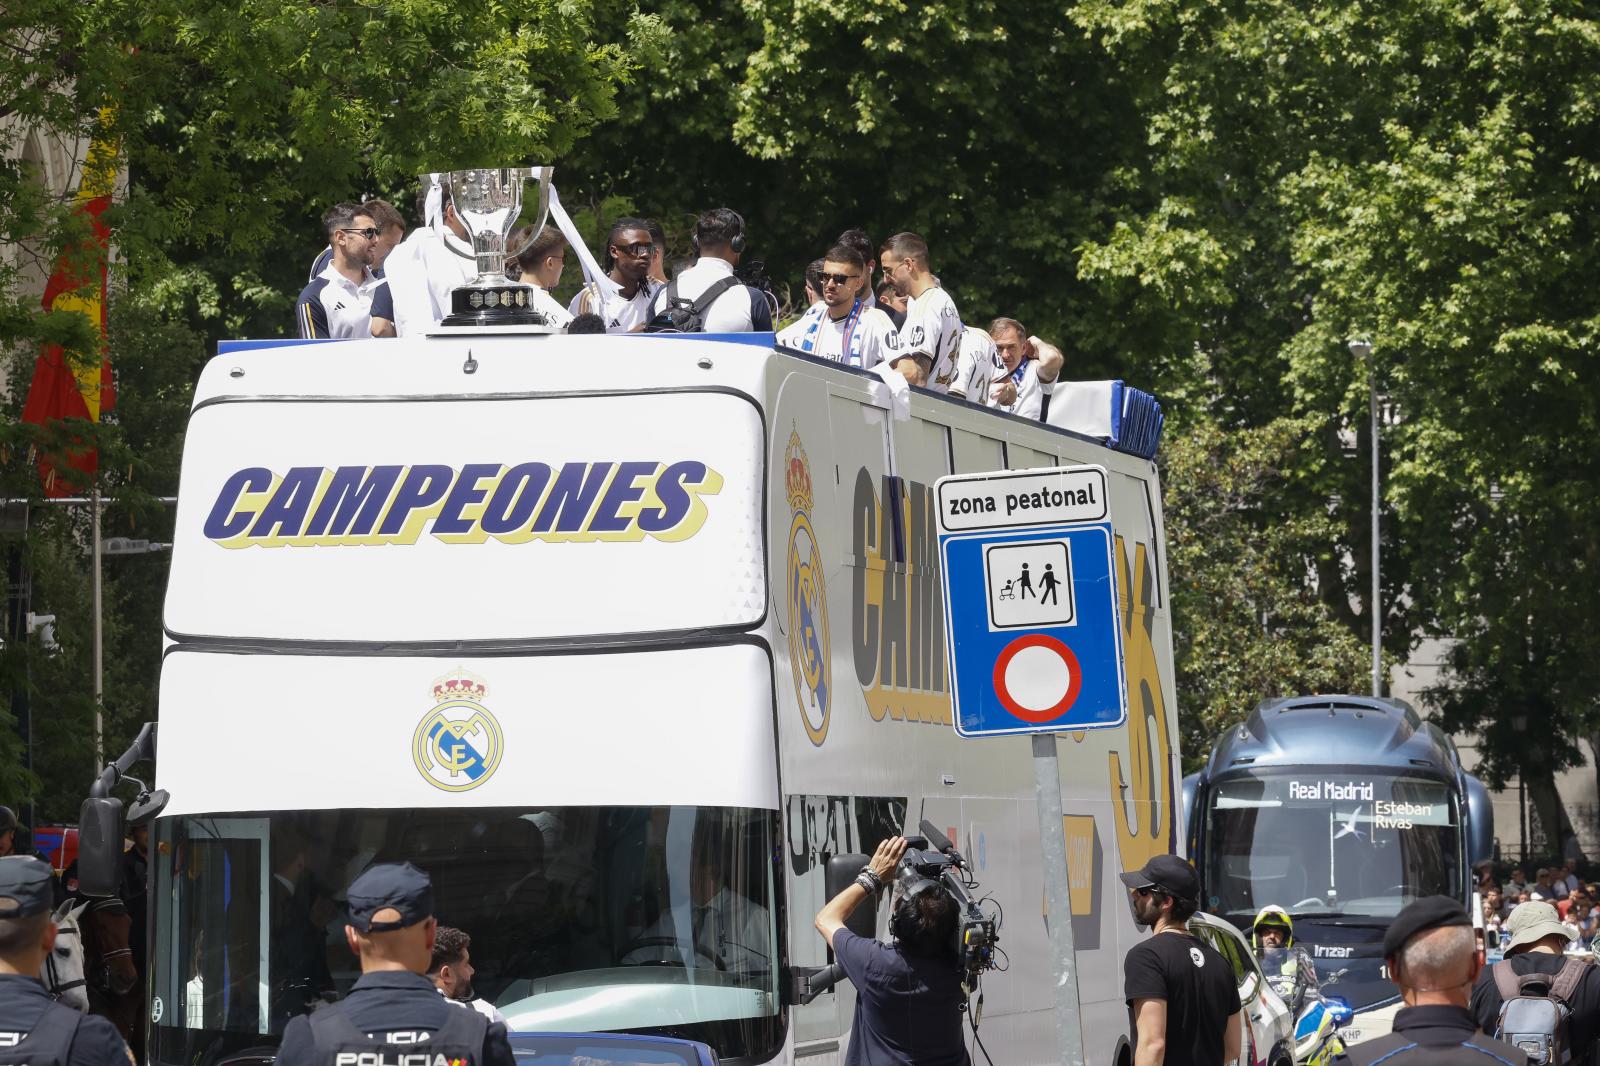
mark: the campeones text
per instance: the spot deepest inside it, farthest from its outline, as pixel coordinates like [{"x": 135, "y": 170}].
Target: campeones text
[{"x": 362, "y": 505}]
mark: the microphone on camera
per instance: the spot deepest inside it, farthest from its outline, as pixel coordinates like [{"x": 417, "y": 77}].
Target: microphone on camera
[{"x": 941, "y": 843}]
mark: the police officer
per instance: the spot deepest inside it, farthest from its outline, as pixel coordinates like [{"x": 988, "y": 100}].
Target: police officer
[
  {"x": 34, "y": 1029},
  {"x": 393, "y": 1003},
  {"x": 1289, "y": 969},
  {"x": 1432, "y": 955}
]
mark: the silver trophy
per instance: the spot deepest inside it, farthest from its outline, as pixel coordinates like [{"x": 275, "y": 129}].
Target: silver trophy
[{"x": 489, "y": 202}]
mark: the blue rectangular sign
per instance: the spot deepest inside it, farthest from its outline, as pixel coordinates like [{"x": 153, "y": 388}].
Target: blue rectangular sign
[{"x": 1034, "y": 635}]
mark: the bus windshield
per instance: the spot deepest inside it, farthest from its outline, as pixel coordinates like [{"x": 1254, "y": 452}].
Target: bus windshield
[
  {"x": 646, "y": 919},
  {"x": 1329, "y": 844}
]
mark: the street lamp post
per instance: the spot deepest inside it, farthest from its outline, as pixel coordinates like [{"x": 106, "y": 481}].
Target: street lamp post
[{"x": 1361, "y": 348}]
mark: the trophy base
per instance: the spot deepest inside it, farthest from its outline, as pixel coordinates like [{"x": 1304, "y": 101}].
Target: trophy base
[{"x": 498, "y": 305}]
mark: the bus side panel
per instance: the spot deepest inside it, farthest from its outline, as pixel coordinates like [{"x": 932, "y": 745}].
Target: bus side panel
[{"x": 866, "y": 743}]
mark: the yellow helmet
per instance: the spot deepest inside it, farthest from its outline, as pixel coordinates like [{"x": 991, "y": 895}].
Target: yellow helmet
[{"x": 1272, "y": 916}]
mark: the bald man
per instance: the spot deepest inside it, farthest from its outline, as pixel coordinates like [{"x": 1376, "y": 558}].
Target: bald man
[{"x": 1433, "y": 957}]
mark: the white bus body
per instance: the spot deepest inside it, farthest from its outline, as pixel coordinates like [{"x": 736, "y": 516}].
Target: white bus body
[{"x": 562, "y": 618}]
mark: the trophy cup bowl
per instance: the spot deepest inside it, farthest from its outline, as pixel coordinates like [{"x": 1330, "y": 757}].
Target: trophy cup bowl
[{"x": 488, "y": 203}]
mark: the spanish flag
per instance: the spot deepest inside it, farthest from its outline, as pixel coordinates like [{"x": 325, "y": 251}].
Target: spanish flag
[{"x": 78, "y": 385}]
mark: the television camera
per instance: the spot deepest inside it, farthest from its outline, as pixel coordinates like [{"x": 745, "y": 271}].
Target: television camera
[{"x": 930, "y": 863}]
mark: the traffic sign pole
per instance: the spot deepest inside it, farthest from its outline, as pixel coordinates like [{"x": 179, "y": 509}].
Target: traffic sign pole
[{"x": 1058, "y": 897}]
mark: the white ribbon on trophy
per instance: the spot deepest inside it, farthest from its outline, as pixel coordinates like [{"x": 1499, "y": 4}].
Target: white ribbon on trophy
[{"x": 592, "y": 274}]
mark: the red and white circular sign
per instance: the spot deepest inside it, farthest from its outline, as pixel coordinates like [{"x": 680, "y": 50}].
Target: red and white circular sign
[{"x": 1037, "y": 678}]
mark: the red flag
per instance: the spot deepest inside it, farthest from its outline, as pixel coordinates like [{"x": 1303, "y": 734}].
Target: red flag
[{"x": 77, "y": 388}]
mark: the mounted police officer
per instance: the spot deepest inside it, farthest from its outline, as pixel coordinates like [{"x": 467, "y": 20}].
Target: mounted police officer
[
  {"x": 1433, "y": 957},
  {"x": 34, "y": 1029},
  {"x": 1289, "y": 970},
  {"x": 394, "y": 1009}
]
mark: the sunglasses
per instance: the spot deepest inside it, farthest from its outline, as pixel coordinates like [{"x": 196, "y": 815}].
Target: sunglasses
[
  {"x": 370, "y": 233},
  {"x": 1148, "y": 890},
  {"x": 837, "y": 279},
  {"x": 635, "y": 251}
]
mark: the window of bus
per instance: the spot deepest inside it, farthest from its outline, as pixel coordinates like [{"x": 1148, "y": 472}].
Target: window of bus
[
  {"x": 1329, "y": 844},
  {"x": 657, "y": 920}
]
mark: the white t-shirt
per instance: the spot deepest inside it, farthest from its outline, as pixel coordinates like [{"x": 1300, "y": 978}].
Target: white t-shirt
[
  {"x": 740, "y": 309},
  {"x": 554, "y": 313},
  {"x": 978, "y": 364},
  {"x": 422, "y": 273},
  {"x": 621, "y": 313},
  {"x": 872, "y": 336},
  {"x": 933, "y": 328}
]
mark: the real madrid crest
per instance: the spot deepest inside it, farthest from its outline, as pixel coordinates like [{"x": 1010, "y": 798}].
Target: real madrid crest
[
  {"x": 458, "y": 744},
  {"x": 808, "y": 602}
]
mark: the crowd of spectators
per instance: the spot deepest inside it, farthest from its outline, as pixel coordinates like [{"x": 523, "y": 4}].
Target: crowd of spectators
[
  {"x": 374, "y": 279},
  {"x": 1577, "y": 901}
]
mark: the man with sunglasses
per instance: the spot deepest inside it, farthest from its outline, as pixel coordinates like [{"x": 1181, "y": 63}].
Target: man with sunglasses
[
  {"x": 338, "y": 302},
  {"x": 629, "y": 252},
  {"x": 842, "y": 326},
  {"x": 1183, "y": 1005}
]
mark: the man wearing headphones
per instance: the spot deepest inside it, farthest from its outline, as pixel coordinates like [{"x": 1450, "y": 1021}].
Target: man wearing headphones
[
  {"x": 719, "y": 301},
  {"x": 908, "y": 993}
]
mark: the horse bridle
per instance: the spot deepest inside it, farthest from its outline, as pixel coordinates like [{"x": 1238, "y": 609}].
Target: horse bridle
[
  {"x": 102, "y": 975},
  {"x": 59, "y": 988}
]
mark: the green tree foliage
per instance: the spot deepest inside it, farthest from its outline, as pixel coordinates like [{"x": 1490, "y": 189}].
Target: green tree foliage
[
  {"x": 239, "y": 124},
  {"x": 1250, "y": 626}
]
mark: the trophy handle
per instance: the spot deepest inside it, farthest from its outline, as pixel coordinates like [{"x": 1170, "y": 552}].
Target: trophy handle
[{"x": 542, "y": 211}]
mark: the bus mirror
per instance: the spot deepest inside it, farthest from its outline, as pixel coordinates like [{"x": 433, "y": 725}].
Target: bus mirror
[
  {"x": 841, "y": 874},
  {"x": 147, "y": 806},
  {"x": 100, "y": 846}
]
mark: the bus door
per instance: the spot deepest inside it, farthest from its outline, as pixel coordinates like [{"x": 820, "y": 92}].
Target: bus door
[{"x": 227, "y": 988}]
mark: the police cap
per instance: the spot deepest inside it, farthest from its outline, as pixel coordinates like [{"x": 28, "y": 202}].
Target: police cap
[
  {"x": 1170, "y": 874},
  {"x": 25, "y": 886},
  {"x": 1419, "y": 916},
  {"x": 392, "y": 885}
]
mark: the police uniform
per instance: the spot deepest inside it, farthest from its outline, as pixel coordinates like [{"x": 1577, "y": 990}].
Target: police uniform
[
  {"x": 393, "y": 1018},
  {"x": 35, "y": 1030},
  {"x": 1436, "y": 1034}
]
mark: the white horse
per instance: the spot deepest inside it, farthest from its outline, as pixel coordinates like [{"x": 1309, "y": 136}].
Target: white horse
[{"x": 62, "y": 973}]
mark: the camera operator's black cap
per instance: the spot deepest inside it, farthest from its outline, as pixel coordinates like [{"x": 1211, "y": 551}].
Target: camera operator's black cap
[
  {"x": 1419, "y": 916},
  {"x": 1170, "y": 874},
  {"x": 26, "y": 886},
  {"x": 397, "y": 885}
]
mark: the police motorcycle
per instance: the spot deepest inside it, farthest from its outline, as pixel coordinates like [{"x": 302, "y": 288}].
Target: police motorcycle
[{"x": 1289, "y": 972}]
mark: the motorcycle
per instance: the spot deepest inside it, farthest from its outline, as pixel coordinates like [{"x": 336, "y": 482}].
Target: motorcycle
[{"x": 1317, "y": 1018}]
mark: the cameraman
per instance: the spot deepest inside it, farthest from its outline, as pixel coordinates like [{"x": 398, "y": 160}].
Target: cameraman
[{"x": 908, "y": 993}]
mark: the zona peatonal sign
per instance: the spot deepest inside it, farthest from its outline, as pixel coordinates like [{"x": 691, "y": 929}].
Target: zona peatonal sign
[{"x": 1030, "y": 601}]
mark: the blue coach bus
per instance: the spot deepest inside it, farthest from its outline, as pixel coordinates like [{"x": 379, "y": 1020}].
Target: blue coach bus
[{"x": 1341, "y": 809}]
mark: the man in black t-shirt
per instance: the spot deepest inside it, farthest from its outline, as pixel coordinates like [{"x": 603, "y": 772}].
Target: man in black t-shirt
[
  {"x": 1183, "y": 1004},
  {"x": 908, "y": 994}
]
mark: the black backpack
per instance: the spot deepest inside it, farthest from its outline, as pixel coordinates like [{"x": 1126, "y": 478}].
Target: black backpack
[
  {"x": 1534, "y": 1011},
  {"x": 678, "y": 315}
]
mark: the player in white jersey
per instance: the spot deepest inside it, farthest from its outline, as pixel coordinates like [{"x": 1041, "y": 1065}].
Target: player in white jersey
[
  {"x": 980, "y": 375},
  {"x": 539, "y": 263},
  {"x": 841, "y": 326},
  {"x": 1031, "y": 364},
  {"x": 930, "y": 340},
  {"x": 629, "y": 249}
]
